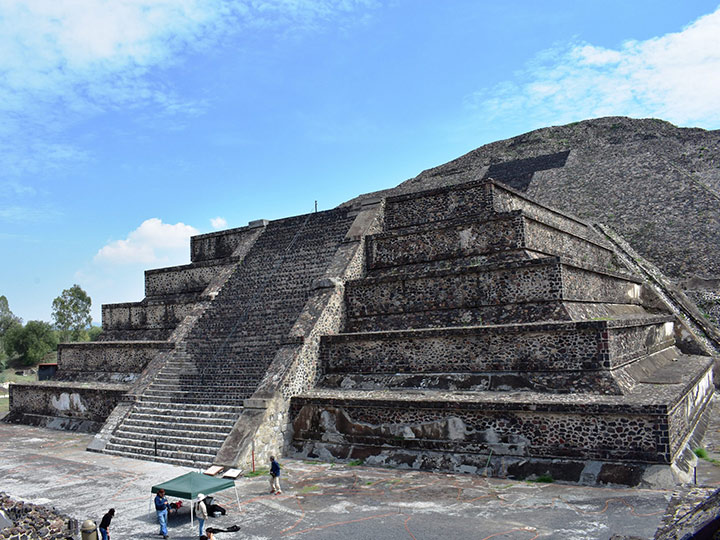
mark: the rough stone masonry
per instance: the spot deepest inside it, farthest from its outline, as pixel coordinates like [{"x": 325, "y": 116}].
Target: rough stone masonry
[{"x": 458, "y": 322}]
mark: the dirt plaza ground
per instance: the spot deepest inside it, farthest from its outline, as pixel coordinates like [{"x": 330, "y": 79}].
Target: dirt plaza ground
[{"x": 328, "y": 501}]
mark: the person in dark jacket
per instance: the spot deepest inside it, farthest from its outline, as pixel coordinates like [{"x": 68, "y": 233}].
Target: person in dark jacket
[
  {"x": 161, "y": 509},
  {"x": 274, "y": 476},
  {"x": 105, "y": 524}
]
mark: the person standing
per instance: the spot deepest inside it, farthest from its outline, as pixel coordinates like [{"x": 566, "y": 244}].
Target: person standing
[
  {"x": 274, "y": 476},
  {"x": 161, "y": 508},
  {"x": 201, "y": 512},
  {"x": 105, "y": 524}
]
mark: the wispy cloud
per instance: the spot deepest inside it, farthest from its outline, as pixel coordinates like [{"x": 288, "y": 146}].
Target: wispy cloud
[
  {"x": 218, "y": 223},
  {"x": 675, "y": 77},
  {"x": 24, "y": 214},
  {"x": 70, "y": 59},
  {"x": 152, "y": 242}
]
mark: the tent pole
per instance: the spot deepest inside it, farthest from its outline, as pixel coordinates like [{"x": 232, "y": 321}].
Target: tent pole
[
  {"x": 237, "y": 498},
  {"x": 191, "y": 513}
]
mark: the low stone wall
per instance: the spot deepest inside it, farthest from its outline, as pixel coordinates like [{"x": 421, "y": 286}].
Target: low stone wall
[
  {"x": 480, "y": 197},
  {"x": 438, "y": 204},
  {"x": 70, "y": 406},
  {"x": 461, "y": 238},
  {"x": 506, "y": 199},
  {"x": 649, "y": 426},
  {"x": 470, "y": 237},
  {"x": 221, "y": 244},
  {"x": 591, "y": 345},
  {"x": 32, "y": 521},
  {"x": 496, "y": 428},
  {"x": 188, "y": 278},
  {"x": 145, "y": 316},
  {"x": 693, "y": 512},
  {"x": 540, "y": 280},
  {"x": 113, "y": 356}
]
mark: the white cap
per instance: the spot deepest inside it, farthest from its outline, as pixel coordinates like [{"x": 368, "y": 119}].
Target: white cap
[{"x": 201, "y": 496}]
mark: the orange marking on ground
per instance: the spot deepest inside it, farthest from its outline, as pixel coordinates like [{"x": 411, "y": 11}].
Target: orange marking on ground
[
  {"x": 408, "y": 529},
  {"x": 298, "y": 519}
]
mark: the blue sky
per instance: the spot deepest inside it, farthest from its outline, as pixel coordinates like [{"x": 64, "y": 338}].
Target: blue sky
[{"x": 128, "y": 125}]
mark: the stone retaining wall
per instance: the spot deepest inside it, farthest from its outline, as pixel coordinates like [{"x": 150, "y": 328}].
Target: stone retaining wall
[
  {"x": 541, "y": 280},
  {"x": 189, "y": 278},
  {"x": 592, "y": 345},
  {"x": 221, "y": 244},
  {"x": 161, "y": 317},
  {"x": 70, "y": 406},
  {"x": 111, "y": 357},
  {"x": 650, "y": 427}
]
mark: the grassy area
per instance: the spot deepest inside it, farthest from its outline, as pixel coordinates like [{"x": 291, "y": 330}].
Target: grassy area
[
  {"x": 703, "y": 454},
  {"x": 8, "y": 375},
  {"x": 258, "y": 472}
]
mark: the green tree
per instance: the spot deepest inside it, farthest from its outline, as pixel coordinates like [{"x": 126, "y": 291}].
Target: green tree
[
  {"x": 30, "y": 342},
  {"x": 71, "y": 313},
  {"x": 94, "y": 332},
  {"x": 7, "y": 321}
]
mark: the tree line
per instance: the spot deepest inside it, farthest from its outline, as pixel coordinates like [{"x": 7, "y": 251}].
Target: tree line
[{"x": 29, "y": 343}]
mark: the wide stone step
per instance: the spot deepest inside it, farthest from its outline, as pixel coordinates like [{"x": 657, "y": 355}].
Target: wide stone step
[
  {"x": 198, "y": 410},
  {"x": 171, "y": 458},
  {"x": 598, "y": 381},
  {"x": 216, "y": 425},
  {"x": 109, "y": 356},
  {"x": 201, "y": 439},
  {"x": 209, "y": 399},
  {"x": 158, "y": 388},
  {"x": 550, "y": 346},
  {"x": 541, "y": 280},
  {"x": 194, "y": 277},
  {"x": 507, "y": 235},
  {"x": 186, "y": 448},
  {"x": 644, "y": 425},
  {"x": 483, "y": 198}
]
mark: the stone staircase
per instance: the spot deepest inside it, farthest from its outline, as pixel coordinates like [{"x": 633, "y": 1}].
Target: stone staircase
[
  {"x": 189, "y": 407},
  {"x": 492, "y": 333}
]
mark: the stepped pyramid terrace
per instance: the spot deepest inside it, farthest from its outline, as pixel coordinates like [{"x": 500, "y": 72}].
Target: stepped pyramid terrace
[{"x": 464, "y": 328}]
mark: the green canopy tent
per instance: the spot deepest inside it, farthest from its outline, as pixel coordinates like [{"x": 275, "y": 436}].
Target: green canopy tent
[{"x": 189, "y": 485}]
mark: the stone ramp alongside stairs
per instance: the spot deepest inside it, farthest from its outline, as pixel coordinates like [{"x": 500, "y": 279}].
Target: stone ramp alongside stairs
[{"x": 491, "y": 331}]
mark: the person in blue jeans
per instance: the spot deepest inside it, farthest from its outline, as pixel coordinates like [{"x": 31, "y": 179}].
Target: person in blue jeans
[
  {"x": 105, "y": 524},
  {"x": 201, "y": 512},
  {"x": 161, "y": 509}
]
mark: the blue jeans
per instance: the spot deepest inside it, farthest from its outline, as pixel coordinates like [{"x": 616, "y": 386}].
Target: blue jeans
[
  {"x": 104, "y": 534},
  {"x": 162, "y": 520},
  {"x": 201, "y": 524}
]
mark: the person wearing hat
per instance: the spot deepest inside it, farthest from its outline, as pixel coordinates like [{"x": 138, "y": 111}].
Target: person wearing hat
[
  {"x": 161, "y": 509},
  {"x": 201, "y": 511}
]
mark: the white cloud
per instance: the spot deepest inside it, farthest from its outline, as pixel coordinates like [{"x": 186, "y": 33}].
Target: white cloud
[
  {"x": 675, "y": 77},
  {"x": 65, "y": 60},
  {"x": 218, "y": 223},
  {"x": 152, "y": 242}
]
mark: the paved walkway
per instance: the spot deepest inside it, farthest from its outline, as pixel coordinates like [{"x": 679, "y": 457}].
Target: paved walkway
[{"x": 324, "y": 501}]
